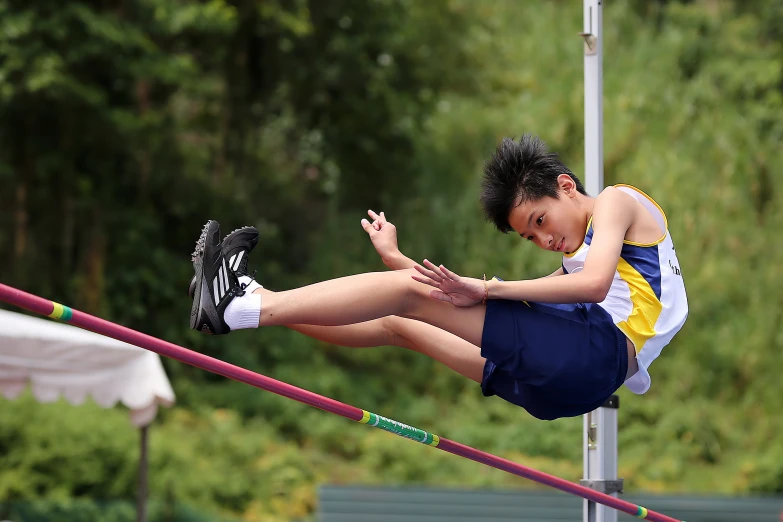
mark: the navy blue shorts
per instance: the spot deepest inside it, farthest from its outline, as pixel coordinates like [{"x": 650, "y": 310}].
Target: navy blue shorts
[{"x": 554, "y": 360}]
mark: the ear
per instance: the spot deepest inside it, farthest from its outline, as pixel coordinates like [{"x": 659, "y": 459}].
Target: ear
[{"x": 567, "y": 185}]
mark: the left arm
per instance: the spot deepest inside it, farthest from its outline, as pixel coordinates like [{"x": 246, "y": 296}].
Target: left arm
[{"x": 612, "y": 217}]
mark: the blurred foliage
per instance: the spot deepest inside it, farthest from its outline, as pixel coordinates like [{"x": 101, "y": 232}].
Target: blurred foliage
[{"x": 124, "y": 125}]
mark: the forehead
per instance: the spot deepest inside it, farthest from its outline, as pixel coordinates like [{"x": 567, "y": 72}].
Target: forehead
[{"x": 528, "y": 211}]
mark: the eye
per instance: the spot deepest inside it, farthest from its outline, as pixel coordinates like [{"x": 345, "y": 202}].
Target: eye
[{"x": 540, "y": 220}]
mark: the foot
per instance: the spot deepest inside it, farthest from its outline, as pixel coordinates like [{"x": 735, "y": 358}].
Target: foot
[
  {"x": 236, "y": 248},
  {"x": 215, "y": 284}
]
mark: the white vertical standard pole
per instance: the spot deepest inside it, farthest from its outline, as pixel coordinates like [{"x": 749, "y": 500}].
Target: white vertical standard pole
[
  {"x": 594, "y": 85},
  {"x": 600, "y": 459},
  {"x": 600, "y": 426}
]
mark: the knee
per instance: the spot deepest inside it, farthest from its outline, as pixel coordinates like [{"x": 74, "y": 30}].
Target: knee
[
  {"x": 413, "y": 291},
  {"x": 393, "y": 331}
]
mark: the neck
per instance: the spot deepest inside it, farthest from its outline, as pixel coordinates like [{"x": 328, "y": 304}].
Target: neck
[{"x": 586, "y": 204}]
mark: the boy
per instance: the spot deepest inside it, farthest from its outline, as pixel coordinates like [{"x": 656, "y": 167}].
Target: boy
[{"x": 558, "y": 346}]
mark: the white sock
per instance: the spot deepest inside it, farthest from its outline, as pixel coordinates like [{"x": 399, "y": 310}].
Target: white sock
[
  {"x": 252, "y": 284},
  {"x": 244, "y": 311}
]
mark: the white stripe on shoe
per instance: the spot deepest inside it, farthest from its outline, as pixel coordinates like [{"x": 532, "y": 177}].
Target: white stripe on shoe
[
  {"x": 235, "y": 265},
  {"x": 225, "y": 273},
  {"x": 222, "y": 284}
]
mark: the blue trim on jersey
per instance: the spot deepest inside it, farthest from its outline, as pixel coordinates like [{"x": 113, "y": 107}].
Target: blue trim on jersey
[
  {"x": 644, "y": 259},
  {"x": 589, "y": 235}
]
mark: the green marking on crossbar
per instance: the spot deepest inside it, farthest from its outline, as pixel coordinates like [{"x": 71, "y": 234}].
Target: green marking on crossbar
[
  {"x": 398, "y": 428},
  {"x": 63, "y": 313}
]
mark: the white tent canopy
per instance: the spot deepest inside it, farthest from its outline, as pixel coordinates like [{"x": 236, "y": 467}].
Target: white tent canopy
[{"x": 57, "y": 360}]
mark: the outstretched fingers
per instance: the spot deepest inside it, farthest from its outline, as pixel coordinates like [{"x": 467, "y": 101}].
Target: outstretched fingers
[
  {"x": 425, "y": 280},
  {"x": 435, "y": 276},
  {"x": 443, "y": 272},
  {"x": 438, "y": 294},
  {"x": 431, "y": 271},
  {"x": 451, "y": 275},
  {"x": 427, "y": 276}
]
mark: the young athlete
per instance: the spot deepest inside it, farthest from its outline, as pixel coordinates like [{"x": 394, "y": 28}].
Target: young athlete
[{"x": 557, "y": 346}]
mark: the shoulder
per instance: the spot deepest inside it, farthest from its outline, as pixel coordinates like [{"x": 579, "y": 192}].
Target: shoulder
[
  {"x": 612, "y": 196},
  {"x": 613, "y": 208}
]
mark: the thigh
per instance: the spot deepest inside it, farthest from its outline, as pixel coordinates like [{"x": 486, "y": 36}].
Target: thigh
[{"x": 453, "y": 351}]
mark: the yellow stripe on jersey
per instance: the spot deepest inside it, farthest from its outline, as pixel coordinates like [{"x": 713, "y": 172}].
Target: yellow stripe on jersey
[{"x": 640, "y": 324}]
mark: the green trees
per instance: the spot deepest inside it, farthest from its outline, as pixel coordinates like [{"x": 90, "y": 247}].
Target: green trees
[{"x": 126, "y": 124}]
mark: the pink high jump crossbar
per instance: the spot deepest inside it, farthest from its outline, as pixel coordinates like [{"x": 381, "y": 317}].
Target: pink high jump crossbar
[{"x": 63, "y": 313}]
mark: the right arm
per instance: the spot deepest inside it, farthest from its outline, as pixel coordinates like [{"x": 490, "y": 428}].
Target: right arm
[{"x": 399, "y": 262}]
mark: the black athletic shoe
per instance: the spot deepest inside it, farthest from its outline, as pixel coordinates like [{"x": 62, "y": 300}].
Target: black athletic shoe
[
  {"x": 216, "y": 285},
  {"x": 236, "y": 248}
]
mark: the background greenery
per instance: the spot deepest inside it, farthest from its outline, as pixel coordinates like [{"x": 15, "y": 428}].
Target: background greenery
[{"x": 126, "y": 124}]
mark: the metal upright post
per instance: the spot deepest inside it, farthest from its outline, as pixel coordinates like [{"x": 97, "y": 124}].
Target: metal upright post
[
  {"x": 600, "y": 459},
  {"x": 600, "y": 426},
  {"x": 594, "y": 112}
]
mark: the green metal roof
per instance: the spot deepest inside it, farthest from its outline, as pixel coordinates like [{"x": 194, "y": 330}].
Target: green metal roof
[{"x": 411, "y": 504}]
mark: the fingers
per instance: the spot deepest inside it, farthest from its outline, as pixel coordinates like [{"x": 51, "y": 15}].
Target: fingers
[
  {"x": 441, "y": 271},
  {"x": 425, "y": 280},
  {"x": 379, "y": 220},
  {"x": 376, "y": 223},
  {"x": 366, "y": 225},
  {"x": 429, "y": 273},
  {"x": 438, "y": 294},
  {"x": 451, "y": 275}
]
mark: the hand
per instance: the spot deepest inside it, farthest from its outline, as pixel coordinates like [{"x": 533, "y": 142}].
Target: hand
[
  {"x": 459, "y": 291},
  {"x": 383, "y": 235}
]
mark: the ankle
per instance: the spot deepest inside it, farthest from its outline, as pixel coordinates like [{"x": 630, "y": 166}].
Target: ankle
[{"x": 244, "y": 311}]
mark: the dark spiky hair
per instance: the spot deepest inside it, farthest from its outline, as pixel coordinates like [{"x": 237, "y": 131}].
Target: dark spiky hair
[{"x": 525, "y": 169}]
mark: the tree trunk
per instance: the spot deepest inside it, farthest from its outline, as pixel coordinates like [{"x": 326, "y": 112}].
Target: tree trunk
[
  {"x": 92, "y": 292},
  {"x": 20, "y": 220}
]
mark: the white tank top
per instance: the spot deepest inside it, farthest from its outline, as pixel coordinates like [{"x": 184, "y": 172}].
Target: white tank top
[{"x": 647, "y": 298}]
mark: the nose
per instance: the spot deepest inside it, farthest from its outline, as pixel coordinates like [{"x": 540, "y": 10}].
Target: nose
[{"x": 545, "y": 241}]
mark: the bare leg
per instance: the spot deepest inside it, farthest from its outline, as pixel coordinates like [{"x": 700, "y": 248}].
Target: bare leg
[
  {"x": 364, "y": 297},
  {"x": 456, "y": 353}
]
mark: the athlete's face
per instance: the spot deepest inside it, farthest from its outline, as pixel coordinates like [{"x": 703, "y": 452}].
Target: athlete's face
[{"x": 556, "y": 224}]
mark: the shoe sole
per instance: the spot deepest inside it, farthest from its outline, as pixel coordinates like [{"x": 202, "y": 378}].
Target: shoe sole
[{"x": 197, "y": 283}]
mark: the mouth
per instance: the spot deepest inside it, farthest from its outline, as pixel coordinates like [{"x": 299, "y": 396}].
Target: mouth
[{"x": 560, "y": 245}]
